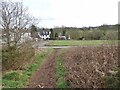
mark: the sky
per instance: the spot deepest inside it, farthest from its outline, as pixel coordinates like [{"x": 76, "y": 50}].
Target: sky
[{"x": 73, "y": 13}]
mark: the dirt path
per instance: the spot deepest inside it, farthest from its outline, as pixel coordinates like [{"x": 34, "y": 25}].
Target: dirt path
[{"x": 46, "y": 77}]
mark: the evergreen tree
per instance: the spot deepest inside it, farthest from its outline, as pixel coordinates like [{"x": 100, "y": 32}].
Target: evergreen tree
[
  {"x": 34, "y": 31},
  {"x": 52, "y": 34}
]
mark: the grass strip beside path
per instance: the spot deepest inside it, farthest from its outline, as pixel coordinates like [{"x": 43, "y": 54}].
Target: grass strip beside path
[
  {"x": 61, "y": 83},
  {"x": 19, "y": 79}
]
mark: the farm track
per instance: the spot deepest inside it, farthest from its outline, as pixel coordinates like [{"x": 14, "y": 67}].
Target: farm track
[{"x": 46, "y": 76}]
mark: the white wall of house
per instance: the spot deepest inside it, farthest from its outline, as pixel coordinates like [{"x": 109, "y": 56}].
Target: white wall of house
[
  {"x": 27, "y": 37},
  {"x": 45, "y": 35}
]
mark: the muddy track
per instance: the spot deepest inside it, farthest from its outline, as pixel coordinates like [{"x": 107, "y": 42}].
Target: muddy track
[{"x": 46, "y": 76}]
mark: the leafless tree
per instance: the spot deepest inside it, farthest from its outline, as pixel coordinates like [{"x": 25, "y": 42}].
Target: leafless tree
[{"x": 14, "y": 18}]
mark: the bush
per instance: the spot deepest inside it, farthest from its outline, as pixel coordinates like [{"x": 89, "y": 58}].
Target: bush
[
  {"x": 111, "y": 35},
  {"x": 8, "y": 57},
  {"x": 93, "y": 35},
  {"x": 74, "y": 34},
  {"x": 13, "y": 59}
]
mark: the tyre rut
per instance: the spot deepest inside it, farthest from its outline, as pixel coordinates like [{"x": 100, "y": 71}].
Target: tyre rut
[{"x": 46, "y": 75}]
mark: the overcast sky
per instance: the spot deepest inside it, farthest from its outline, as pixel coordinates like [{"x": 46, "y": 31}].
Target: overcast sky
[{"x": 72, "y": 13}]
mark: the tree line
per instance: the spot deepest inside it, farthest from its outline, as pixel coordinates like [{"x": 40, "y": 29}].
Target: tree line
[{"x": 103, "y": 32}]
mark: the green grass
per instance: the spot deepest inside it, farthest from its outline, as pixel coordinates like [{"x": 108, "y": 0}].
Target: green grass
[
  {"x": 14, "y": 79},
  {"x": 113, "y": 81},
  {"x": 81, "y": 43},
  {"x": 19, "y": 79},
  {"x": 61, "y": 83}
]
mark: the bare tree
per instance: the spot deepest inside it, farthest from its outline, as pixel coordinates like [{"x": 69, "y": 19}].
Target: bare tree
[{"x": 14, "y": 19}]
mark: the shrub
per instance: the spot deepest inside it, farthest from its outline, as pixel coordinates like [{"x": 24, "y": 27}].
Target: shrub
[
  {"x": 74, "y": 34},
  {"x": 93, "y": 35},
  {"x": 13, "y": 59},
  {"x": 111, "y": 35},
  {"x": 8, "y": 57}
]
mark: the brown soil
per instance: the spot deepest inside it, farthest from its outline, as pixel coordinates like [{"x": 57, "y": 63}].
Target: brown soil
[
  {"x": 45, "y": 77},
  {"x": 87, "y": 67}
]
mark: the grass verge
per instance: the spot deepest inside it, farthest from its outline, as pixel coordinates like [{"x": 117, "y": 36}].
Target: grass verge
[
  {"x": 61, "y": 83},
  {"x": 19, "y": 79},
  {"x": 81, "y": 43}
]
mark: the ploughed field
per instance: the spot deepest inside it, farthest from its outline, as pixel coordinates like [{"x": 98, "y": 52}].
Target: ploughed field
[
  {"x": 77, "y": 67},
  {"x": 88, "y": 67},
  {"x": 84, "y": 67}
]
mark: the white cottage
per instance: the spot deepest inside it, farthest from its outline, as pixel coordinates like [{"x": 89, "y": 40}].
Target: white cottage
[{"x": 45, "y": 35}]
